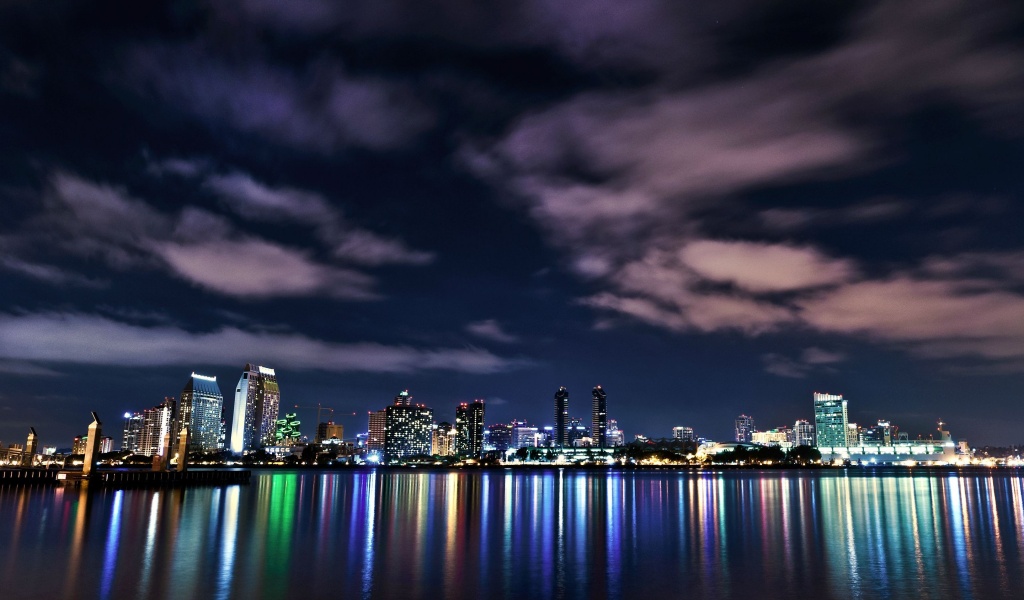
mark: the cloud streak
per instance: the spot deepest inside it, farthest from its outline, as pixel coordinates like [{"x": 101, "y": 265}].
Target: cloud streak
[{"x": 74, "y": 338}]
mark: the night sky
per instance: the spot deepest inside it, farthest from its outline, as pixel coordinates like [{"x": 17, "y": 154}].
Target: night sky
[{"x": 709, "y": 210}]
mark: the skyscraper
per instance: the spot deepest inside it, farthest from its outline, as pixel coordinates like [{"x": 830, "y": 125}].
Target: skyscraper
[
  {"x": 407, "y": 429},
  {"x": 156, "y": 422},
  {"x": 615, "y": 435},
  {"x": 745, "y": 429},
  {"x": 375, "y": 435},
  {"x": 684, "y": 434},
  {"x": 830, "y": 420},
  {"x": 442, "y": 442},
  {"x": 599, "y": 419},
  {"x": 560, "y": 436},
  {"x": 200, "y": 410},
  {"x": 132, "y": 429},
  {"x": 501, "y": 437},
  {"x": 469, "y": 426},
  {"x": 257, "y": 404},
  {"x": 803, "y": 433}
]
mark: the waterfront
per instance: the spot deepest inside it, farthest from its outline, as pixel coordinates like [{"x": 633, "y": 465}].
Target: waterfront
[{"x": 504, "y": 533}]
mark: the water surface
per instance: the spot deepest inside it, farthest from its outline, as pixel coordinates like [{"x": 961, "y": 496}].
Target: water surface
[{"x": 543, "y": 534}]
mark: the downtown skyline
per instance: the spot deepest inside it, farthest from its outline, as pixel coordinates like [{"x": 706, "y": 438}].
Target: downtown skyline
[{"x": 707, "y": 211}]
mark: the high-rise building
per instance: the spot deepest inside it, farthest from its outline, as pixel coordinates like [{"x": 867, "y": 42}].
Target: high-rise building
[
  {"x": 257, "y": 405},
  {"x": 882, "y": 434},
  {"x": 560, "y": 434},
  {"x": 329, "y": 430},
  {"x": 745, "y": 429},
  {"x": 501, "y": 437},
  {"x": 407, "y": 429},
  {"x": 375, "y": 435},
  {"x": 615, "y": 435},
  {"x": 156, "y": 422},
  {"x": 79, "y": 444},
  {"x": 831, "y": 421},
  {"x": 599, "y": 418},
  {"x": 579, "y": 433},
  {"x": 106, "y": 444},
  {"x": 442, "y": 441},
  {"x": 132, "y": 429},
  {"x": 523, "y": 435},
  {"x": 684, "y": 434},
  {"x": 469, "y": 426},
  {"x": 803, "y": 433},
  {"x": 200, "y": 409}
]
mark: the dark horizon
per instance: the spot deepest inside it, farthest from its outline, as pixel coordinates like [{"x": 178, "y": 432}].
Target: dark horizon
[{"x": 707, "y": 210}]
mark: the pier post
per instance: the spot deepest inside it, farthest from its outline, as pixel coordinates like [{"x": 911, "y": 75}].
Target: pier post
[
  {"x": 165, "y": 454},
  {"x": 92, "y": 446},
  {"x": 183, "y": 439}
]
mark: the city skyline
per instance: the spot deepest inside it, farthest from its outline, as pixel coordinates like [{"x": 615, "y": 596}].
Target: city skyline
[{"x": 709, "y": 210}]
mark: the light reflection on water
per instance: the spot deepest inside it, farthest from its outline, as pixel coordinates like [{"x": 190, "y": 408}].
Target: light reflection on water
[{"x": 557, "y": 533}]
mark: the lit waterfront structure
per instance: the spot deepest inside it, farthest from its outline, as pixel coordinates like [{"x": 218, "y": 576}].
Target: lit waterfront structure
[
  {"x": 745, "y": 429},
  {"x": 684, "y": 434},
  {"x": 442, "y": 441},
  {"x": 831, "y": 421},
  {"x": 469, "y": 425},
  {"x": 328, "y": 431},
  {"x": 257, "y": 405},
  {"x": 615, "y": 435},
  {"x": 524, "y": 436},
  {"x": 156, "y": 422},
  {"x": 772, "y": 437},
  {"x": 599, "y": 418},
  {"x": 500, "y": 439},
  {"x": 375, "y": 434},
  {"x": 132, "y": 430},
  {"x": 201, "y": 409},
  {"x": 560, "y": 433},
  {"x": 407, "y": 429},
  {"x": 286, "y": 432},
  {"x": 803, "y": 433}
]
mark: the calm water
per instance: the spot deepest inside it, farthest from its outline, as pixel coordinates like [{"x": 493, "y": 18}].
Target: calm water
[{"x": 521, "y": 534}]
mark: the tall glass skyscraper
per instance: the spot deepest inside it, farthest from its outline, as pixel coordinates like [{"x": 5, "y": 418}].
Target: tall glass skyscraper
[
  {"x": 408, "y": 429},
  {"x": 156, "y": 422},
  {"x": 599, "y": 420},
  {"x": 830, "y": 420},
  {"x": 257, "y": 404},
  {"x": 803, "y": 433},
  {"x": 560, "y": 435},
  {"x": 201, "y": 407},
  {"x": 745, "y": 429},
  {"x": 469, "y": 427}
]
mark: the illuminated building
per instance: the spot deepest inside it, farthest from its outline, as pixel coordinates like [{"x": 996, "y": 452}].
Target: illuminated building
[
  {"x": 684, "y": 434},
  {"x": 407, "y": 429},
  {"x": 257, "y": 405},
  {"x": 745, "y": 429},
  {"x": 803, "y": 433},
  {"x": 881, "y": 434},
  {"x": 772, "y": 437},
  {"x": 200, "y": 410},
  {"x": 578, "y": 431},
  {"x": 106, "y": 444},
  {"x": 79, "y": 444},
  {"x": 375, "y": 435},
  {"x": 329, "y": 430},
  {"x": 560, "y": 434},
  {"x": 599, "y": 418},
  {"x": 831, "y": 422},
  {"x": 287, "y": 432},
  {"x": 469, "y": 426},
  {"x": 132, "y": 430},
  {"x": 156, "y": 422},
  {"x": 615, "y": 435},
  {"x": 500, "y": 438},
  {"x": 523, "y": 435},
  {"x": 442, "y": 440}
]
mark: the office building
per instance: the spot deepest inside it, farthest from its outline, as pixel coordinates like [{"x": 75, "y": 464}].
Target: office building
[
  {"x": 469, "y": 426},
  {"x": 442, "y": 442},
  {"x": 560, "y": 433},
  {"x": 132, "y": 430},
  {"x": 79, "y": 444},
  {"x": 615, "y": 435},
  {"x": 407, "y": 429},
  {"x": 579, "y": 433},
  {"x": 599, "y": 418},
  {"x": 745, "y": 429},
  {"x": 683, "y": 434},
  {"x": 375, "y": 435},
  {"x": 803, "y": 433},
  {"x": 257, "y": 405},
  {"x": 831, "y": 422},
  {"x": 156, "y": 422},
  {"x": 329, "y": 431},
  {"x": 524, "y": 436},
  {"x": 882, "y": 434},
  {"x": 200, "y": 409},
  {"x": 106, "y": 444},
  {"x": 500, "y": 439},
  {"x": 772, "y": 437}
]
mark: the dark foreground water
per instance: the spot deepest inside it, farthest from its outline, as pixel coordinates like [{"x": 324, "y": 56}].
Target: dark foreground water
[{"x": 524, "y": 534}]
